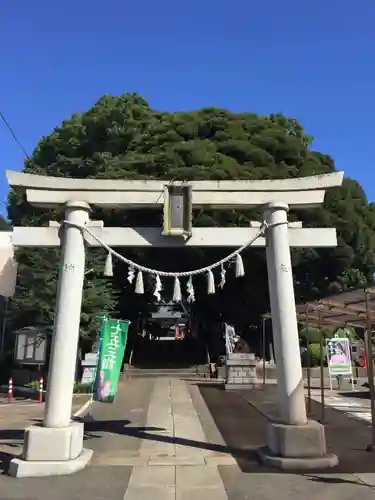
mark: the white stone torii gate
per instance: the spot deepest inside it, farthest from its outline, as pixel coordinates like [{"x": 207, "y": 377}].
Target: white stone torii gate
[{"x": 57, "y": 446}]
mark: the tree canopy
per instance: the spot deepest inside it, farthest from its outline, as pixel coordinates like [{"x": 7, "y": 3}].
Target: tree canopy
[
  {"x": 124, "y": 138},
  {"x": 4, "y": 226}
]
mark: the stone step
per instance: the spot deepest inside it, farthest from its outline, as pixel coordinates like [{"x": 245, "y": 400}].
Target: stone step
[{"x": 167, "y": 372}]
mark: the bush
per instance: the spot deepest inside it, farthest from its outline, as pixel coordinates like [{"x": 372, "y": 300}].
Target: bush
[
  {"x": 310, "y": 334},
  {"x": 80, "y": 388},
  {"x": 34, "y": 384},
  {"x": 316, "y": 354},
  {"x": 314, "y": 351}
]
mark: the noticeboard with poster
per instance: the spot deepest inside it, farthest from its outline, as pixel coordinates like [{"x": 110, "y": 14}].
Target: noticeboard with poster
[{"x": 339, "y": 356}]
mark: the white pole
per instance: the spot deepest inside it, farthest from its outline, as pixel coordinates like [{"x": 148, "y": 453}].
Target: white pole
[
  {"x": 284, "y": 318},
  {"x": 67, "y": 319},
  {"x": 329, "y": 369}
]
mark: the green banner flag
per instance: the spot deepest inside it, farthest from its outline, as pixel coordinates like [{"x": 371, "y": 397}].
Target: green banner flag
[{"x": 114, "y": 335}]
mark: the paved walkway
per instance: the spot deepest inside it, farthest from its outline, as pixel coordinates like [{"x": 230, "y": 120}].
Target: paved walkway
[
  {"x": 355, "y": 404},
  {"x": 178, "y": 464},
  {"x": 243, "y": 427},
  {"x": 166, "y": 438}
]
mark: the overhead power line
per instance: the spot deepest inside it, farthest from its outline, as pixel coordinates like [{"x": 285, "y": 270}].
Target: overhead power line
[
  {"x": 8, "y": 126},
  {"x": 20, "y": 145}
]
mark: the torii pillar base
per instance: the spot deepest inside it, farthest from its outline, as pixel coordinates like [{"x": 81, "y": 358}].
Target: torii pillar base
[
  {"x": 297, "y": 447},
  {"x": 51, "y": 452}
]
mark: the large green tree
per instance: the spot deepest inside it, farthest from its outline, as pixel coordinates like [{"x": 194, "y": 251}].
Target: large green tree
[
  {"x": 123, "y": 138},
  {"x": 4, "y": 226}
]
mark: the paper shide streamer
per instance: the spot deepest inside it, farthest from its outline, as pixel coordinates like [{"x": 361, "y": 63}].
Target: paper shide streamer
[
  {"x": 210, "y": 283},
  {"x": 190, "y": 290},
  {"x": 139, "y": 287},
  {"x": 177, "y": 291},
  {"x": 222, "y": 276},
  {"x": 131, "y": 274},
  {"x": 240, "y": 271},
  {"x": 177, "y": 296},
  {"x": 136, "y": 271},
  {"x": 158, "y": 288},
  {"x": 108, "y": 266}
]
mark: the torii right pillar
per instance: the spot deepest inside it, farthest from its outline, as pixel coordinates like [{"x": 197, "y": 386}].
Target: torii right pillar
[{"x": 294, "y": 442}]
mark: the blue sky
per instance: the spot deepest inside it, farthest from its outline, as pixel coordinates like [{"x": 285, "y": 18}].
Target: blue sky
[{"x": 312, "y": 60}]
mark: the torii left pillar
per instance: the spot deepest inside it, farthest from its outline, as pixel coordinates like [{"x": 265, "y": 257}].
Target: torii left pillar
[{"x": 56, "y": 448}]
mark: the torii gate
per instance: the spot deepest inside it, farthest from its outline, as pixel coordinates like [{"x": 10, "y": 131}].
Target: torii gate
[{"x": 57, "y": 447}]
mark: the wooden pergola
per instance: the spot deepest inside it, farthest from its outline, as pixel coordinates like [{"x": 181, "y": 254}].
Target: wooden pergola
[{"x": 354, "y": 308}]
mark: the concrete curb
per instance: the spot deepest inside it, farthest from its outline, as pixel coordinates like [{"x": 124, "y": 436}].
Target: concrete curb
[
  {"x": 83, "y": 408},
  {"x": 207, "y": 421},
  {"x": 34, "y": 395},
  {"x": 20, "y": 390},
  {"x": 259, "y": 410}
]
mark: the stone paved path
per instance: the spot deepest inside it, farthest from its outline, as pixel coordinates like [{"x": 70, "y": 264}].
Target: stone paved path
[
  {"x": 243, "y": 427},
  {"x": 350, "y": 403},
  {"x": 177, "y": 465},
  {"x": 165, "y": 438}
]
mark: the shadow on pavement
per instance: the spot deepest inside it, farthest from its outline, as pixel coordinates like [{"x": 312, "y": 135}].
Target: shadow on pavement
[
  {"x": 96, "y": 429},
  {"x": 357, "y": 394},
  {"x": 5, "y": 459},
  {"x": 93, "y": 428},
  {"x": 243, "y": 428},
  {"x": 9, "y": 438},
  {"x": 11, "y": 435},
  {"x": 241, "y": 420},
  {"x": 333, "y": 480}
]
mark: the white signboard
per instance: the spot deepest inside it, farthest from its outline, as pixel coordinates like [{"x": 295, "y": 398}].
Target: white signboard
[
  {"x": 88, "y": 375},
  {"x": 339, "y": 357}
]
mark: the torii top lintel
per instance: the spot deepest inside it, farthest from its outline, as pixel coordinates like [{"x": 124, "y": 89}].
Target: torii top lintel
[{"x": 299, "y": 192}]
